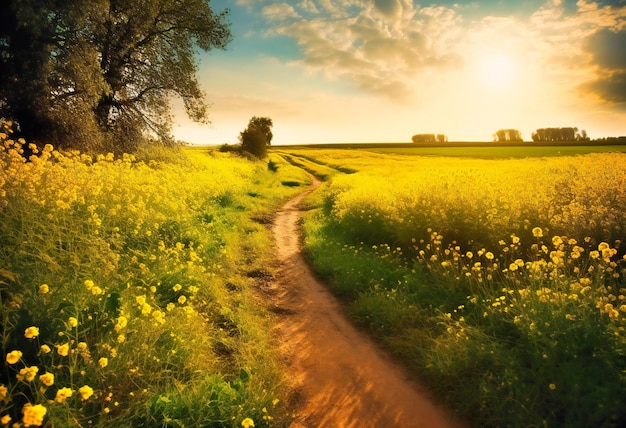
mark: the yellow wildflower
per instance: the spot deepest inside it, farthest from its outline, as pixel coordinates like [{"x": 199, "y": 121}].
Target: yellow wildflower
[
  {"x": 247, "y": 423},
  {"x": 33, "y": 415},
  {"x": 5, "y": 420},
  {"x": 63, "y": 350},
  {"x": 47, "y": 379},
  {"x": 3, "y": 392},
  {"x": 73, "y": 322},
  {"x": 89, "y": 284},
  {"x": 14, "y": 356},
  {"x": 537, "y": 232},
  {"x": 31, "y": 332},
  {"x": 177, "y": 287},
  {"x": 489, "y": 255},
  {"x": 27, "y": 374},
  {"x": 103, "y": 362},
  {"x": 44, "y": 289},
  {"x": 63, "y": 394},
  {"x": 85, "y": 392},
  {"x": 122, "y": 321},
  {"x": 552, "y": 386},
  {"x": 182, "y": 300}
]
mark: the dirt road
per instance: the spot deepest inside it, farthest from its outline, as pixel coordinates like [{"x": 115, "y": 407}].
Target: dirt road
[{"x": 340, "y": 378}]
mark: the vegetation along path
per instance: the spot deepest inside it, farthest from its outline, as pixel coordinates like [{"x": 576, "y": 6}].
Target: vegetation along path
[{"x": 339, "y": 376}]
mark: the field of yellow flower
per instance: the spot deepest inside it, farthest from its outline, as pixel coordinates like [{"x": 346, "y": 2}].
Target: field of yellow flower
[
  {"x": 499, "y": 282},
  {"x": 127, "y": 287}
]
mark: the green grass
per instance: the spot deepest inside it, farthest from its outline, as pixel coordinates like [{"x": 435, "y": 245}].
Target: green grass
[{"x": 469, "y": 150}]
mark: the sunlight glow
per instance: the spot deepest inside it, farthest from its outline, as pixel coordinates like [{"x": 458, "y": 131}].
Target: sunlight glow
[{"x": 498, "y": 71}]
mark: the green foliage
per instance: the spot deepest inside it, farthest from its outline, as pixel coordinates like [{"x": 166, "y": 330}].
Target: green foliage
[{"x": 97, "y": 75}]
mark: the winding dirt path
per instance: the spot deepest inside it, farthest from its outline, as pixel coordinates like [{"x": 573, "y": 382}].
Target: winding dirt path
[{"x": 340, "y": 378}]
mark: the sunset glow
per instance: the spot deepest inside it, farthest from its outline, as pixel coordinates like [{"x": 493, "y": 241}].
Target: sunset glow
[{"x": 354, "y": 71}]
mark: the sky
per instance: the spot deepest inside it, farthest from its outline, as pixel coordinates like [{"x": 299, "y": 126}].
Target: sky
[{"x": 346, "y": 71}]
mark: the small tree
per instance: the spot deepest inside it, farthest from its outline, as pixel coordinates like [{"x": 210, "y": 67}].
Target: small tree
[{"x": 257, "y": 136}]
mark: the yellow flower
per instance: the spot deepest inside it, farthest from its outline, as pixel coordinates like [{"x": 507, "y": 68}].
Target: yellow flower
[
  {"x": 63, "y": 350},
  {"x": 44, "y": 289},
  {"x": 85, "y": 392},
  {"x": 177, "y": 287},
  {"x": 103, "y": 362},
  {"x": 33, "y": 415},
  {"x": 45, "y": 348},
  {"x": 3, "y": 392},
  {"x": 47, "y": 379},
  {"x": 247, "y": 423},
  {"x": 594, "y": 254},
  {"x": 73, "y": 322},
  {"x": 537, "y": 232},
  {"x": 552, "y": 386},
  {"x": 122, "y": 321},
  {"x": 489, "y": 255},
  {"x": 603, "y": 246},
  {"x": 63, "y": 394},
  {"x": 14, "y": 356},
  {"x": 182, "y": 300},
  {"x": 5, "y": 420},
  {"x": 27, "y": 374},
  {"x": 31, "y": 332},
  {"x": 96, "y": 290}
]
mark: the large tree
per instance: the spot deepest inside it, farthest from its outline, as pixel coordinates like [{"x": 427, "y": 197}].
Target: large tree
[{"x": 98, "y": 74}]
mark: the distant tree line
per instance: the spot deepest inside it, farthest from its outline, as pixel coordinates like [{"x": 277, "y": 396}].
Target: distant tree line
[
  {"x": 560, "y": 134},
  {"x": 503, "y": 135},
  {"x": 429, "y": 138}
]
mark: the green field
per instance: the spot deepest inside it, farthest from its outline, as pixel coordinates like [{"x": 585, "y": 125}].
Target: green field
[{"x": 484, "y": 150}]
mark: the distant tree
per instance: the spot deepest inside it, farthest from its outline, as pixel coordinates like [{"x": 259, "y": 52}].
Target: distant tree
[
  {"x": 559, "y": 134},
  {"x": 504, "y": 135},
  {"x": 257, "y": 136},
  {"x": 442, "y": 138},
  {"x": 98, "y": 74},
  {"x": 424, "y": 138}
]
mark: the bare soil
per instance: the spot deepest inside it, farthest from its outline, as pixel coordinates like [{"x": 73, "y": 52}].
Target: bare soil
[{"x": 339, "y": 376}]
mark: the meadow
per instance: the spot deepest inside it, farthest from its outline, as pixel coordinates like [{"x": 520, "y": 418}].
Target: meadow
[
  {"x": 498, "y": 282},
  {"x": 130, "y": 288}
]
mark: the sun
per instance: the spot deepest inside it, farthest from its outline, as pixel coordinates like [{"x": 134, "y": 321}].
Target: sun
[{"x": 497, "y": 71}]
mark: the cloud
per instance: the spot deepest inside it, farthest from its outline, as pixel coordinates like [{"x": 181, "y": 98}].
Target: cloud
[
  {"x": 607, "y": 49},
  {"x": 280, "y": 11},
  {"x": 379, "y": 45},
  {"x": 389, "y": 8}
]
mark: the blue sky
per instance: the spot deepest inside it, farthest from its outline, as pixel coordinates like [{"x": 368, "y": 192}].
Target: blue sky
[{"x": 382, "y": 70}]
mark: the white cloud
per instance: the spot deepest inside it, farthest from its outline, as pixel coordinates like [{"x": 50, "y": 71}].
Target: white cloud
[{"x": 280, "y": 12}]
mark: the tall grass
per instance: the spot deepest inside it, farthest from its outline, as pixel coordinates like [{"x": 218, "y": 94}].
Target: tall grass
[
  {"x": 127, "y": 297},
  {"x": 500, "y": 283}
]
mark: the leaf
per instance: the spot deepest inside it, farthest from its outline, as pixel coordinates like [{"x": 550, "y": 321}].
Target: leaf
[{"x": 7, "y": 274}]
